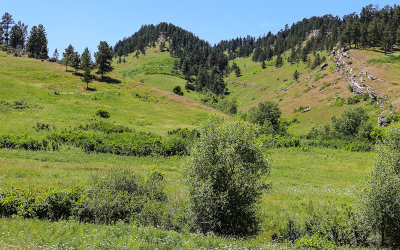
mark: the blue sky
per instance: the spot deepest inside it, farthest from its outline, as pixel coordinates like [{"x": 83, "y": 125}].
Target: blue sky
[{"x": 87, "y": 22}]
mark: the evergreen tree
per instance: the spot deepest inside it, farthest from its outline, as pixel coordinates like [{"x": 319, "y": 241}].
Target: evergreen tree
[
  {"x": 296, "y": 75},
  {"x": 279, "y": 61},
  {"x": 55, "y": 55},
  {"x": 37, "y": 43},
  {"x": 238, "y": 72},
  {"x": 263, "y": 65},
  {"x": 68, "y": 56},
  {"x": 75, "y": 61},
  {"x": 86, "y": 66},
  {"x": 6, "y": 22},
  {"x": 18, "y": 35},
  {"x": 104, "y": 58}
]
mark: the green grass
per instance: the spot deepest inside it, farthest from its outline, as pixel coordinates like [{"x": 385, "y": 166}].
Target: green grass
[
  {"x": 25, "y": 233},
  {"x": 57, "y": 97},
  {"x": 297, "y": 176},
  {"x": 155, "y": 69}
]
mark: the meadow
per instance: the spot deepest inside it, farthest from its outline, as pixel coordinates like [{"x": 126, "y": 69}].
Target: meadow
[{"x": 35, "y": 93}]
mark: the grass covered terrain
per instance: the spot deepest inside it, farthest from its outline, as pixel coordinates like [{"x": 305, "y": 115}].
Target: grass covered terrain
[
  {"x": 32, "y": 91},
  {"x": 297, "y": 176}
]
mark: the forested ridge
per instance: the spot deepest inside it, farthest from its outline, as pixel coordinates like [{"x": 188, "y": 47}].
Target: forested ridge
[{"x": 205, "y": 65}]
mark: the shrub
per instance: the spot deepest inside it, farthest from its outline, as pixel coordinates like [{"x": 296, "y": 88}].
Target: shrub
[
  {"x": 265, "y": 112},
  {"x": 177, "y": 90},
  {"x": 379, "y": 197},
  {"x": 224, "y": 175},
  {"x": 103, "y": 113}
]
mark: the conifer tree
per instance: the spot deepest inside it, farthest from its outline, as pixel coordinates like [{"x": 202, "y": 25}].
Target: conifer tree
[
  {"x": 104, "y": 58},
  {"x": 75, "y": 61},
  {"x": 68, "y": 56},
  {"x": 37, "y": 43},
  {"x": 18, "y": 35},
  {"x": 86, "y": 66},
  {"x": 263, "y": 65},
  {"x": 55, "y": 55},
  {"x": 279, "y": 61},
  {"x": 6, "y": 22}
]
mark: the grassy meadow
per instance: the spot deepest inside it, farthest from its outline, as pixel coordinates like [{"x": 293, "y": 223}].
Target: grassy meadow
[{"x": 138, "y": 96}]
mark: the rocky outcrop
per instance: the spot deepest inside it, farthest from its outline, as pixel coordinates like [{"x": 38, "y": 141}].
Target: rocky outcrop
[{"x": 357, "y": 87}]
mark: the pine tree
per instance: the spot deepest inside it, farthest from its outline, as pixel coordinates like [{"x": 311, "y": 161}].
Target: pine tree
[
  {"x": 279, "y": 61},
  {"x": 55, "y": 55},
  {"x": 104, "y": 58},
  {"x": 37, "y": 43},
  {"x": 296, "y": 75},
  {"x": 238, "y": 72},
  {"x": 18, "y": 35},
  {"x": 68, "y": 54},
  {"x": 263, "y": 65},
  {"x": 86, "y": 66},
  {"x": 6, "y": 22},
  {"x": 75, "y": 61}
]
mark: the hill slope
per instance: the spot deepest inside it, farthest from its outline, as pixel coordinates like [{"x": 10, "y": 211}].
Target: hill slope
[{"x": 32, "y": 91}]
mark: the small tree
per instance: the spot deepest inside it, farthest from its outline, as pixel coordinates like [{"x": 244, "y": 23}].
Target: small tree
[
  {"x": 75, "y": 61},
  {"x": 86, "y": 65},
  {"x": 177, "y": 90},
  {"x": 55, "y": 55},
  {"x": 68, "y": 54},
  {"x": 379, "y": 197},
  {"x": 224, "y": 174},
  {"x": 104, "y": 58},
  {"x": 296, "y": 75},
  {"x": 263, "y": 65},
  {"x": 238, "y": 72},
  {"x": 266, "y": 113},
  {"x": 6, "y": 22},
  {"x": 279, "y": 61}
]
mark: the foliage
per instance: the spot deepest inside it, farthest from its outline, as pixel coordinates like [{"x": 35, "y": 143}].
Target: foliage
[
  {"x": 224, "y": 175},
  {"x": 104, "y": 57},
  {"x": 266, "y": 112},
  {"x": 112, "y": 196},
  {"x": 315, "y": 242},
  {"x": 379, "y": 197},
  {"x": 37, "y": 43},
  {"x": 178, "y": 91},
  {"x": 86, "y": 65},
  {"x": 103, "y": 113}
]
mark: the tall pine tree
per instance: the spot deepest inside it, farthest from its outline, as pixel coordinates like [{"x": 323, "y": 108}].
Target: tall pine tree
[
  {"x": 86, "y": 66},
  {"x": 37, "y": 43},
  {"x": 104, "y": 58},
  {"x": 6, "y": 22}
]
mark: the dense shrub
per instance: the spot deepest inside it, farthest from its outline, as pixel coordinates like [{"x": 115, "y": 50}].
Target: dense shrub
[
  {"x": 224, "y": 175},
  {"x": 178, "y": 90},
  {"x": 26, "y": 142},
  {"x": 330, "y": 224},
  {"x": 379, "y": 197},
  {"x": 265, "y": 112},
  {"x": 103, "y": 113},
  {"x": 111, "y": 197}
]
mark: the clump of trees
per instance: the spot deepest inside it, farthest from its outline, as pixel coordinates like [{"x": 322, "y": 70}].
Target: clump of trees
[{"x": 224, "y": 174}]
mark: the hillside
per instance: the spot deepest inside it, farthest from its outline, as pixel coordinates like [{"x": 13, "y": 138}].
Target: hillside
[{"x": 33, "y": 91}]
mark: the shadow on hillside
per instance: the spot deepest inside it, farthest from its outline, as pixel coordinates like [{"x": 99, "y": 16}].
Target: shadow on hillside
[
  {"x": 91, "y": 89},
  {"x": 78, "y": 74},
  {"x": 108, "y": 79}
]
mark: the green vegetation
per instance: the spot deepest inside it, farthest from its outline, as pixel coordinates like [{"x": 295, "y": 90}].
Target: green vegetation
[{"x": 225, "y": 174}]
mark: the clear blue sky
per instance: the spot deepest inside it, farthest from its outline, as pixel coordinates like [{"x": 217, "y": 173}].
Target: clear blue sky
[{"x": 87, "y": 22}]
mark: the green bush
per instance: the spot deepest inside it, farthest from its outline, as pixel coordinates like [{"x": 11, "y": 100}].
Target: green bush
[
  {"x": 379, "y": 197},
  {"x": 224, "y": 176},
  {"x": 314, "y": 242},
  {"x": 103, "y": 113},
  {"x": 177, "y": 90}
]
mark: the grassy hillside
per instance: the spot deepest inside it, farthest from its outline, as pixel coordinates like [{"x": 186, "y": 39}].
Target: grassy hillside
[
  {"x": 33, "y": 91},
  {"x": 155, "y": 69}
]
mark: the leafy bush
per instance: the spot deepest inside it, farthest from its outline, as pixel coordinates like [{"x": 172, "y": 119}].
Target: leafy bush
[
  {"x": 177, "y": 90},
  {"x": 265, "y": 112},
  {"x": 379, "y": 197},
  {"x": 315, "y": 242},
  {"x": 113, "y": 196},
  {"x": 224, "y": 175},
  {"x": 103, "y": 113}
]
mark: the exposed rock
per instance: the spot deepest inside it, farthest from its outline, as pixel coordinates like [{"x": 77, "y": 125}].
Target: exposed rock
[{"x": 306, "y": 110}]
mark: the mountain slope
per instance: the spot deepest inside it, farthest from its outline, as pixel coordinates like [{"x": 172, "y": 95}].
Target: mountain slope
[{"x": 32, "y": 91}]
